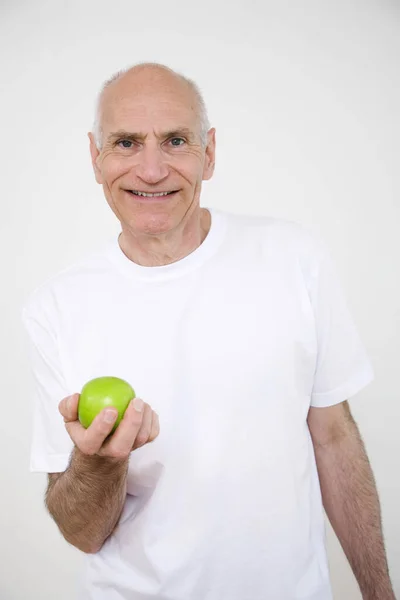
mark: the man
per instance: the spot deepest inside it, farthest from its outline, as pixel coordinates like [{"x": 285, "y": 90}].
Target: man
[{"x": 235, "y": 332}]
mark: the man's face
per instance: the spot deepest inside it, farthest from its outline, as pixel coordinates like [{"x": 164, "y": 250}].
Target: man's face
[{"x": 151, "y": 143}]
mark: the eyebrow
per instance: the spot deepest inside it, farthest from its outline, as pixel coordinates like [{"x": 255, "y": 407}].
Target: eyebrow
[{"x": 129, "y": 135}]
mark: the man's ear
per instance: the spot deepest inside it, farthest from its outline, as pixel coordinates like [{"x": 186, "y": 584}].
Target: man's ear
[
  {"x": 209, "y": 163},
  {"x": 94, "y": 153}
]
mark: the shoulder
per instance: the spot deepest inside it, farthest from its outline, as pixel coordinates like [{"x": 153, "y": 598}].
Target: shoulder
[
  {"x": 43, "y": 301},
  {"x": 283, "y": 234},
  {"x": 286, "y": 246}
]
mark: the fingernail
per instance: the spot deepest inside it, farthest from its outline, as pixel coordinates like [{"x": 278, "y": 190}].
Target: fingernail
[
  {"x": 138, "y": 404},
  {"x": 109, "y": 416}
]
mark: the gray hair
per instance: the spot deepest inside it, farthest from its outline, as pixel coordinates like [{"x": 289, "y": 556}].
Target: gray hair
[{"x": 202, "y": 110}]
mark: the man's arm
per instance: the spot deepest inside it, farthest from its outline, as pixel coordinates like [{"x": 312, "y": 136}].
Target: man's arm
[
  {"x": 350, "y": 497},
  {"x": 87, "y": 499}
]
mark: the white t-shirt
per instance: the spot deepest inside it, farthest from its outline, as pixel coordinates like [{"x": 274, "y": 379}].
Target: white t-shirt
[{"x": 231, "y": 346}]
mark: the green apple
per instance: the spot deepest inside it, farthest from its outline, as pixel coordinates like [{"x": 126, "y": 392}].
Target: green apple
[{"x": 101, "y": 392}]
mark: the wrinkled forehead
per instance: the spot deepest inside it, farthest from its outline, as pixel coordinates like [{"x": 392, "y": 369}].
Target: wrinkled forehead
[{"x": 148, "y": 108}]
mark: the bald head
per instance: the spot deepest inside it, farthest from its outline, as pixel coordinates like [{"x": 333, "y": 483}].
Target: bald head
[{"x": 150, "y": 78}]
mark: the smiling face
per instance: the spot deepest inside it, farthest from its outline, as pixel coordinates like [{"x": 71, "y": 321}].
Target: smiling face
[{"x": 151, "y": 143}]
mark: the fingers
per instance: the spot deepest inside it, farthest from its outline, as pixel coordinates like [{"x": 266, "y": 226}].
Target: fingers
[
  {"x": 68, "y": 407},
  {"x": 90, "y": 440},
  {"x": 155, "y": 428},
  {"x": 140, "y": 425},
  {"x": 121, "y": 442},
  {"x": 147, "y": 431}
]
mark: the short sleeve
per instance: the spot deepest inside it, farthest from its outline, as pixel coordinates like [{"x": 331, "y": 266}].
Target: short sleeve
[
  {"x": 51, "y": 445},
  {"x": 343, "y": 367}
]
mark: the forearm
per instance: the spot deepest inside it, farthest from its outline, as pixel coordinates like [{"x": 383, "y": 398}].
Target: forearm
[
  {"x": 351, "y": 502},
  {"x": 86, "y": 500}
]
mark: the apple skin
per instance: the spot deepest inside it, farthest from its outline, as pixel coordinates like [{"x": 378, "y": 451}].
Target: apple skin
[{"x": 101, "y": 392}]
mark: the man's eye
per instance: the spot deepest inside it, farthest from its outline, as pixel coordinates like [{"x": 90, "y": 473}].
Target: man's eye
[
  {"x": 177, "y": 140},
  {"x": 124, "y": 144},
  {"x": 127, "y": 144}
]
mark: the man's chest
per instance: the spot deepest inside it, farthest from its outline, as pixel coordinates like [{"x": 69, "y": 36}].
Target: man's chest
[
  {"x": 195, "y": 353},
  {"x": 243, "y": 328}
]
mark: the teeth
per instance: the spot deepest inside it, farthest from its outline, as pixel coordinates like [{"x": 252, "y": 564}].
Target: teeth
[{"x": 150, "y": 195}]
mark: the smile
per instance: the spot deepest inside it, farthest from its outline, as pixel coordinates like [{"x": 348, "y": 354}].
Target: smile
[{"x": 147, "y": 195}]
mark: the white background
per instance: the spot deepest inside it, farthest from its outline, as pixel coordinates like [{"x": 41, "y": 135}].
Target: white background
[{"x": 305, "y": 98}]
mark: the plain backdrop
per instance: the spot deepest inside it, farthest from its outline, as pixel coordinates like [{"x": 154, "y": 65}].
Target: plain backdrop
[{"x": 305, "y": 99}]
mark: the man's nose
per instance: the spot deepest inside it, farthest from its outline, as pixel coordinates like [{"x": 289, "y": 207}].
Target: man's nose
[{"x": 151, "y": 166}]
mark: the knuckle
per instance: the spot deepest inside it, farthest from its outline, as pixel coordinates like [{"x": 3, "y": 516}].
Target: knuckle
[
  {"x": 142, "y": 437},
  {"x": 156, "y": 425},
  {"x": 153, "y": 436}
]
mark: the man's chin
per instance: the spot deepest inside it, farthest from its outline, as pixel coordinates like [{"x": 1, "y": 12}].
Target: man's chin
[{"x": 148, "y": 222}]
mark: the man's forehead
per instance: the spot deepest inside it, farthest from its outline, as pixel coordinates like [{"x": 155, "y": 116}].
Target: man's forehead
[
  {"x": 154, "y": 103},
  {"x": 153, "y": 108},
  {"x": 156, "y": 116},
  {"x": 139, "y": 98}
]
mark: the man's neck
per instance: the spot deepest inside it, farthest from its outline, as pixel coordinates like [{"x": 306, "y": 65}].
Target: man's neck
[{"x": 167, "y": 251}]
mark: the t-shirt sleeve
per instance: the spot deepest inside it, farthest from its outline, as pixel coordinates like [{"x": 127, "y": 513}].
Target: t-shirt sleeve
[
  {"x": 50, "y": 443},
  {"x": 343, "y": 367}
]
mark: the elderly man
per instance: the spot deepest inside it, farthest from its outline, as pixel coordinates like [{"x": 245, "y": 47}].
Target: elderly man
[{"x": 235, "y": 333}]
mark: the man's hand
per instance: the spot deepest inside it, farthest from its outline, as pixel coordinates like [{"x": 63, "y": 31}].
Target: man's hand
[
  {"x": 86, "y": 500},
  {"x": 139, "y": 426}
]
